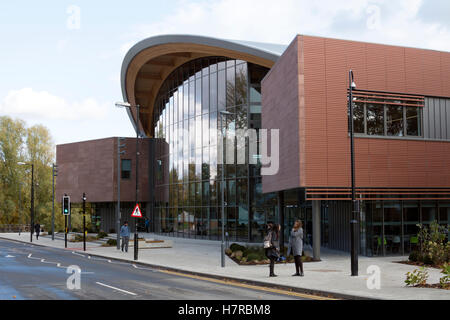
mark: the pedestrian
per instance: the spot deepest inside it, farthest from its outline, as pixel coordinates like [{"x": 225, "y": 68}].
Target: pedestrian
[
  {"x": 37, "y": 229},
  {"x": 296, "y": 247},
  {"x": 125, "y": 234},
  {"x": 271, "y": 245},
  {"x": 147, "y": 223}
]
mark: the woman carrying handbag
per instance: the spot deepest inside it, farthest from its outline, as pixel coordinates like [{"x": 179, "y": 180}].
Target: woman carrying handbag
[{"x": 271, "y": 245}]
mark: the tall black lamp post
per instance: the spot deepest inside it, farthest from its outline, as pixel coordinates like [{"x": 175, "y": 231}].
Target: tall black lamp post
[
  {"x": 127, "y": 105},
  {"x": 224, "y": 137},
  {"x": 54, "y": 174},
  {"x": 84, "y": 221},
  {"x": 32, "y": 198},
  {"x": 355, "y": 205}
]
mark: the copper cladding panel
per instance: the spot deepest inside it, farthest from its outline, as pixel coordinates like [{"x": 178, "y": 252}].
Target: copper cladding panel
[
  {"x": 323, "y": 136},
  {"x": 379, "y": 162}
]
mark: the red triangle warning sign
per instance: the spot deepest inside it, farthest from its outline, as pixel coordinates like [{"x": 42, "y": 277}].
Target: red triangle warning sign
[{"x": 137, "y": 212}]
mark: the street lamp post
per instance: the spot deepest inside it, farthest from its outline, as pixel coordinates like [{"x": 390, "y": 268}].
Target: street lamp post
[
  {"x": 84, "y": 221},
  {"x": 32, "y": 198},
  {"x": 355, "y": 204},
  {"x": 127, "y": 105},
  {"x": 118, "y": 215},
  {"x": 54, "y": 174},
  {"x": 224, "y": 137}
]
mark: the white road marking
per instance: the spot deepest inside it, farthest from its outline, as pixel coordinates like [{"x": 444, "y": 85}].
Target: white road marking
[
  {"x": 78, "y": 254},
  {"x": 124, "y": 291},
  {"x": 9, "y": 256}
]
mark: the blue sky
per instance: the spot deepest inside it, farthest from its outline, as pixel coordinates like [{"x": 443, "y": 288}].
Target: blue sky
[{"x": 66, "y": 76}]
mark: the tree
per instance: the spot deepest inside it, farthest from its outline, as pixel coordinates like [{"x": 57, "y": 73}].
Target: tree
[
  {"x": 30, "y": 145},
  {"x": 12, "y": 136}
]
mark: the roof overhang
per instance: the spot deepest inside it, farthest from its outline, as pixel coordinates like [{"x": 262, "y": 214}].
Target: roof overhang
[{"x": 148, "y": 63}]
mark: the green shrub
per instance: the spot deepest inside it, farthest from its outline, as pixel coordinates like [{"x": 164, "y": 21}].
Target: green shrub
[
  {"x": 111, "y": 242},
  {"x": 417, "y": 277},
  {"x": 427, "y": 259},
  {"x": 236, "y": 247},
  {"x": 445, "y": 280},
  {"x": 101, "y": 235},
  {"x": 253, "y": 257},
  {"x": 414, "y": 256},
  {"x": 433, "y": 250},
  {"x": 74, "y": 230}
]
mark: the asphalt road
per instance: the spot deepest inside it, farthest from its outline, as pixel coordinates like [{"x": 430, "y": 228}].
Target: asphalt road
[{"x": 40, "y": 273}]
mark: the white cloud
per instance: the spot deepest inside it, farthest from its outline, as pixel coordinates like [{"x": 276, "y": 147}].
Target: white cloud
[
  {"x": 398, "y": 22},
  {"x": 30, "y": 104}
]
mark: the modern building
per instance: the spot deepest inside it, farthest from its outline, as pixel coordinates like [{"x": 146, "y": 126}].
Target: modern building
[{"x": 190, "y": 89}]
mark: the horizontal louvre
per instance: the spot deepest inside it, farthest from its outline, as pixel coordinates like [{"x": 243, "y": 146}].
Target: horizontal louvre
[{"x": 396, "y": 99}]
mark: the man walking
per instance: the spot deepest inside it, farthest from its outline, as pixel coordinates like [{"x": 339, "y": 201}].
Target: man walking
[{"x": 125, "y": 234}]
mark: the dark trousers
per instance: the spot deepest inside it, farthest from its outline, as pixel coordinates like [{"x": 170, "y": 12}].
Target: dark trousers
[
  {"x": 125, "y": 243},
  {"x": 272, "y": 265},
  {"x": 298, "y": 264}
]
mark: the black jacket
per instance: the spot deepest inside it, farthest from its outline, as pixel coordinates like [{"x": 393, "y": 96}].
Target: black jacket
[
  {"x": 37, "y": 228},
  {"x": 274, "y": 251}
]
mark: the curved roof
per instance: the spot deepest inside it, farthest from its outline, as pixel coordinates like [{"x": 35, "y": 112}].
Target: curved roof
[{"x": 149, "y": 62}]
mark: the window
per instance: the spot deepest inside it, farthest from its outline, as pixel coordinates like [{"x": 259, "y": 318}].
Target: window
[
  {"x": 382, "y": 114},
  {"x": 375, "y": 120},
  {"x": 126, "y": 169},
  {"x": 394, "y": 121},
  {"x": 358, "y": 118},
  {"x": 413, "y": 121}
]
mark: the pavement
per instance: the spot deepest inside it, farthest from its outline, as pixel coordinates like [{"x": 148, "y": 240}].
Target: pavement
[{"x": 330, "y": 276}]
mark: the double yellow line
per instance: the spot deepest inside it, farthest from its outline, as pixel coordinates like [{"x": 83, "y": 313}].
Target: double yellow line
[{"x": 249, "y": 286}]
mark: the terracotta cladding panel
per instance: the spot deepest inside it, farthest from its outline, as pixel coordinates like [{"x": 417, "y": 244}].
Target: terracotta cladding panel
[
  {"x": 280, "y": 110},
  {"x": 381, "y": 162},
  {"x": 376, "y": 67},
  {"x": 395, "y": 69},
  {"x": 445, "y": 74},
  {"x": 413, "y": 69},
  {"x": 431, "y": 66}
]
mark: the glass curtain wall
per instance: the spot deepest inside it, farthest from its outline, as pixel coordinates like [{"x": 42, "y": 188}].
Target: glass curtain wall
[
  {"x": 397, "y": 222},
  {"x": 187, "y": 118}
]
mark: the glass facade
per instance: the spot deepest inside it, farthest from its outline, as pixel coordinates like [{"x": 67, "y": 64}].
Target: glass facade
[
  {"x": 396, "y": 222},
  {"x": 187, "y": 118}
]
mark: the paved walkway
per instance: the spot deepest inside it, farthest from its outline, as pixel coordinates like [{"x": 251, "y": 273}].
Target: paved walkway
[{"x": 332, "y": 274}]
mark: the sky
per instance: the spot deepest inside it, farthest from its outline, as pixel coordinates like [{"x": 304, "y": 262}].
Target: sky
[{"x": 60, "y": 60}]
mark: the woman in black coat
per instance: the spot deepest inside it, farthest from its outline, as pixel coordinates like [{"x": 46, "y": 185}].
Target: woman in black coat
[
  {"x": 37, "y": 229},
  {"x": 272, "y": 246}
]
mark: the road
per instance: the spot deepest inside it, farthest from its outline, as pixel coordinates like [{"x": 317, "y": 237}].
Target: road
[{"x": 29, "y": 272}]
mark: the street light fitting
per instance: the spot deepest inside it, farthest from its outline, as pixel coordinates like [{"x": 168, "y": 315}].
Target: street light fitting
[
  {"x": 225, "y": 112},
  {"x": 123, "y": 105},
  {"x": 353, "y": 82}
]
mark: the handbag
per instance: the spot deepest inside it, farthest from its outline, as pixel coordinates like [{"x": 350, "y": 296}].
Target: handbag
[{"x": 268, "y": 242}]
